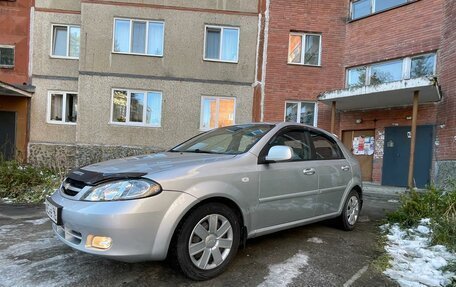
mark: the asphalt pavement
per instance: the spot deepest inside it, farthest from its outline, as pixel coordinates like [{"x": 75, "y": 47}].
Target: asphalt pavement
[{"x": 313, "y": 255}]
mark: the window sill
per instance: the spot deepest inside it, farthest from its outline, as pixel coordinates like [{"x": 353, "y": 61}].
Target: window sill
[
  {"x": 137, "y": 54},
  {"x": 221, "y": 61},
  {"x": 6, "y": 67},
  {"x": 134, "y": 125},
  {"x": 382, "y": 11},
  {"x": 305, "y": 65},
  {"x": 61, "y": 123},
  {"x": 63, "y": 58}
]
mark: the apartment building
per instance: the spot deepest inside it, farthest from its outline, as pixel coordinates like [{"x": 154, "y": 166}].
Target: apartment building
[
  {"x": 380, "y": 74},
  {"x": 15, "y": 91},
  {"x": 117, "y": 78}
]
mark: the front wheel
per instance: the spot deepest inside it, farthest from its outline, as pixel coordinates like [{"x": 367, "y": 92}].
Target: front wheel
[
  {"x": 350, "y": 212},
  {"x": 206, "y": 241}
]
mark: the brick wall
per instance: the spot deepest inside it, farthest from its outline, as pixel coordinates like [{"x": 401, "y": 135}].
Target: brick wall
[{"x": 14, "y": 30}]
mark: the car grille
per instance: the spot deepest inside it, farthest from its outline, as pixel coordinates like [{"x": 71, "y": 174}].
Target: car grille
[
  {"x": 68, "y": 234},
  {"x": 72, "y": 187}
]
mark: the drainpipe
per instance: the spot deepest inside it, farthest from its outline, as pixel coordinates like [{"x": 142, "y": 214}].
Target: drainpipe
[{"x": 265, "y": 57}]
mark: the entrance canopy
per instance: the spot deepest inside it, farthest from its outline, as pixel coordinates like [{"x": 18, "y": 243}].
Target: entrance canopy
[
  {"x": 386, "y": 95},
  {"x": 16, "y": 90}
]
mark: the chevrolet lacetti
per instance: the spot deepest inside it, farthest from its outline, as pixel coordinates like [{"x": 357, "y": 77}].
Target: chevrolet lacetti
[{"x": 199, "y": 201}]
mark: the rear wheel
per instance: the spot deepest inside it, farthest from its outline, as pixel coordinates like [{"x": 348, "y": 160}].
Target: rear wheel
[
  {"x": 350, "y": 212},
  {"x": 206, "y": 241}
]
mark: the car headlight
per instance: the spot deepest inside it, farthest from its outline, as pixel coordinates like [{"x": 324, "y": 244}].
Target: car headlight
[{"x": 122, "y": 190}]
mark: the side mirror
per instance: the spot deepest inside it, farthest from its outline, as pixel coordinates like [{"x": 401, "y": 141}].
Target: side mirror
[{"x": 279, "y": 153}]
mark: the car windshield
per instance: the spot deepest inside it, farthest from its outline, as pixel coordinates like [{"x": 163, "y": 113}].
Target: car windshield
[{"x": 228, "y": 140}]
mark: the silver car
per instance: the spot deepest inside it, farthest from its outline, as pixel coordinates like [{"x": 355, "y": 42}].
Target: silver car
[{"x": 198, "y": 202}]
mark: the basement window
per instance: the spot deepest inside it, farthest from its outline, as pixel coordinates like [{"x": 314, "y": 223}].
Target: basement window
[
  {"x": 391, "y": 71},
  {"x": 136, "y": 108},
  {"x": 217, "y": 112},
  {"x": 63, "y": 108},
  {"x": 65, "y": 41},
  {"x": 6, "y": 56},
  {"x": 304, "y": 49},
  {"x": 221, "y": 44}
]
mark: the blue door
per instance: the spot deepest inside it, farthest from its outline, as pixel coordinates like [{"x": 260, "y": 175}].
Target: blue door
[
  {"x": 397, "y": 155},
  {"x": 7, "y": 135}
]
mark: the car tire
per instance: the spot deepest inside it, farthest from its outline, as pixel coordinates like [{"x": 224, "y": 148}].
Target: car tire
[
  {"x": 350, "y": 211},
  {"x": 206, "y": 241}
]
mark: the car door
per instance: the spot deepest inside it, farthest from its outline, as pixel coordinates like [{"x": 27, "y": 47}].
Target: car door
[
  {"x": 334, "y": 172},
  {"x": 287, "y": 190}
]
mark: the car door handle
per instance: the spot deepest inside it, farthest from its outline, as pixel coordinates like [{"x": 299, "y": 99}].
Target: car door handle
[
  {"x": 345, "y": 167},
  {"x": 309, "y": 171}
]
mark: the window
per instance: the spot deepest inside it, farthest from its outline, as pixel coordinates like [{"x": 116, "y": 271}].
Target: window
[
  {"x": 136, "y": 107},
  {"x": 325, "y": 147},
  {"x": 390, "y": 71},
  {"x": 221, "y": 44},
  {"x": 304, "y": 49},
  {"x": 6, "y": 56},
  {"x": 297, "y": 141},
  {"x": 301, "y": 112},
  {"x": 63, "y": 107},
  {"x": 65, "y": 41},
  {"x": 362, "y": 8},
  {"x": 217, "y": 112},
  {"x": 139, "y": 37}
]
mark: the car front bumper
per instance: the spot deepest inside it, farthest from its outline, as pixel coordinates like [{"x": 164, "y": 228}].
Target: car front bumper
[{"x": 140, "y": 229}]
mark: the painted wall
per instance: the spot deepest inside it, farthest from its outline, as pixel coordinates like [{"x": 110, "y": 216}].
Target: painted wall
[{"x": 19, "y": 105}]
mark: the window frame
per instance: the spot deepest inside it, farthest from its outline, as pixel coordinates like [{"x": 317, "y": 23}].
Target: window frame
[
  {"x": 2, "y": 66},
  {"x": 49, "y": 107},
  {"x": 67, "y": 57},
  {"x": 217, "y": 98},
  {"x": 299, "y": 108},
  {"x": 406, "y": 68},
  {"x": 129, "y": 37},
  {"x": 372, "y": 9},
  {"x": 221, "y": 27},
  {"x": 127, "y": 119},
  {"x": 303, "y": 45}
]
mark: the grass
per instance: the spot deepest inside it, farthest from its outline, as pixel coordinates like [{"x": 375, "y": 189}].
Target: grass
[
  {"x": 20, "y": 183},
  {"x": 436, "y": 204}
]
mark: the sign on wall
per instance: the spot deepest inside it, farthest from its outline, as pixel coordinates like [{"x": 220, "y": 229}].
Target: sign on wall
[{"x": 363, "y": 145}]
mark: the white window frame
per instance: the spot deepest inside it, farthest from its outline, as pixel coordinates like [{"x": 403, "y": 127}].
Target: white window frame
[
  {"x": 127, "y": 119},
  {"x": 406, "y": 68},
  {"x": 14, "y": 57},
  {"x": 217, "y": 98},
  {"x": 49, "y": 107},
  {"x": 303, "y": 45},
  {"x": 221, "y": 43},
  {"x": 68, "y": 26},
  {"x": 372, "y": 8},
  {"x": 131, "y": 32},
  {"x": 315, "y": 123}
]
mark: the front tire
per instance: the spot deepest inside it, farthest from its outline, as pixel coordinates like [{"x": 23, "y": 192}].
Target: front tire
[
  {"x": 206, "y": 241},
  {"x": 350, "y": 211}
]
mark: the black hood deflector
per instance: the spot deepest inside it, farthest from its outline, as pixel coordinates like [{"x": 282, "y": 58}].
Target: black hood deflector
[{"x": 94, "y": 178}]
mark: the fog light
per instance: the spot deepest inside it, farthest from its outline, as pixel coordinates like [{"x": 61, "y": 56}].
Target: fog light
[{"x": 100, "y": 242}]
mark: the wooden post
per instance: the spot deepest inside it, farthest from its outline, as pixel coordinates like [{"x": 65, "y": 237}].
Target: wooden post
[
  {"x": 413, "y": 139},
  {"x": 333, "y": 117}
]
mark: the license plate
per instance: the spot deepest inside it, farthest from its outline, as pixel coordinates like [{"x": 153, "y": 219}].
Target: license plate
[{"x": 54, "y": 211}]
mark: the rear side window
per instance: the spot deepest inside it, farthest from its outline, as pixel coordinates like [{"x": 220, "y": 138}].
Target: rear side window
[{"x": 325, "y": 148}]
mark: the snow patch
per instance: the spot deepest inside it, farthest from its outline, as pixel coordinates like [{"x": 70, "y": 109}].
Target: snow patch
[
  {"x": 315, "y": 240},
  {"x": 415, "y": 262},
  {"x": 38, "y": 221},
  {"x": 282, "y": 274}
]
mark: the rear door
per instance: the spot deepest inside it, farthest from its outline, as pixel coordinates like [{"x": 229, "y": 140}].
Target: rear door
[
  {"x": 7, "y": 135},
  {"x": 334, "y": 172},
  {"x": 288, "y": 190}
]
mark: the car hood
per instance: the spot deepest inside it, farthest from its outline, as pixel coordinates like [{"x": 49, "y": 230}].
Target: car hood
[{"x": 137, "y": 166}]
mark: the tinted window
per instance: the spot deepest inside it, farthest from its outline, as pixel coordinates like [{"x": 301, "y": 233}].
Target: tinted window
[
  {"x": 297, "y": 140},
  {"x": 325, "y": 147}
]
